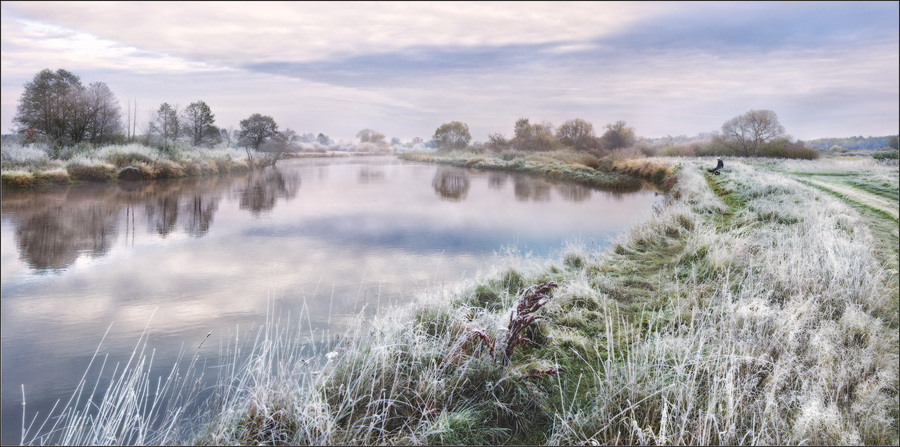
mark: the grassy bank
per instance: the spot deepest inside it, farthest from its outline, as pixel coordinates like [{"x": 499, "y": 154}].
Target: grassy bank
[
  {"x": 31, "y": 165},
  {"x": 567, "y": 165},
  {"x": 752, "y": 308}
]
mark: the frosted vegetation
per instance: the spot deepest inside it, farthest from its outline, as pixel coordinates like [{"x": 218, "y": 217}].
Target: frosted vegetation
[
  {"x": 37, "y": 163},
  {"x": 752, "y": 308}
]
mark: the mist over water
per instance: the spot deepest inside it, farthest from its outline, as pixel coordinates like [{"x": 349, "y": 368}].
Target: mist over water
[{"x": 334, "y": 237}]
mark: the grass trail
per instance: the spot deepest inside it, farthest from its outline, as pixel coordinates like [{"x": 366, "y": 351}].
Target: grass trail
[{"x": 856, "y": 195}]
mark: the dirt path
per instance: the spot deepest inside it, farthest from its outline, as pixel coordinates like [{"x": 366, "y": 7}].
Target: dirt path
[{"x": 859, "y": 196}]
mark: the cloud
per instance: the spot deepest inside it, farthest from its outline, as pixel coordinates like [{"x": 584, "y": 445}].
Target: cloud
[
  {"x": 405, "y": 68},
  {"x": 235, "y": 33}
]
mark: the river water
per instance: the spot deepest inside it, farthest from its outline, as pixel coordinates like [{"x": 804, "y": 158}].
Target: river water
[{"x": 186, "y": 258}]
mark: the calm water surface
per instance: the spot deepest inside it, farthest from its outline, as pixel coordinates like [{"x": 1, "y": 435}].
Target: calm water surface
[{"x": 339, "y": 236}]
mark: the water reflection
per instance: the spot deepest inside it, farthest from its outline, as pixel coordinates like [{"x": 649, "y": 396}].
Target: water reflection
[
  {"x": 368, "y": 174},
  {"x": 573, "y": 192},
  {"x": 200, "y": 210},
  {"x": 54, "y": 237},
  {"x": 451, "y": 183},
  {"x": 531, "y": 189},
  {"x": 496, "y": 180},
  {"x": 264, "y": 188},
  {"x": 57, "y": 226},
  {"x": 162, "y": 214}
]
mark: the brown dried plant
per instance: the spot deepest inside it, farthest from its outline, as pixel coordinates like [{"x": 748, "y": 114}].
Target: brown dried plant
[{"x": 524, "y": 316}]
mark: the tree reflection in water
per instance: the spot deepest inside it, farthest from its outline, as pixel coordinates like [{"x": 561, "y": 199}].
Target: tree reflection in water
[
  {"x": 496, "y": 180},
  {"x": 55, "y": 227},
  {"x": 370, "y": 175},
  {"x": 264, "y": 188},
  {"x": 573, "y": 192},
  {"x": 533, "y": 189},
  {"x": 451, "y": 183},
  {"x": 200, "y": 211},
  {"x": 162, "y": 214},
  {"x": 52, "y": 239}
]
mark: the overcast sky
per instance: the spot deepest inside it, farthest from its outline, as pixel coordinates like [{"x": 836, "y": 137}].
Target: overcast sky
[{"x": 827, "y": 69}]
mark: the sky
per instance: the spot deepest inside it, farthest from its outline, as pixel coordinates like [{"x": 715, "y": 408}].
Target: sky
[{"x": 827, "y": 69}]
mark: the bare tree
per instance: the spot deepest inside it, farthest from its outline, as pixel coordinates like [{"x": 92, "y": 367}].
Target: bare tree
[
  {"x": 278, "y": 144},
  {"x": 497, "y": 141},
  {"x": 747, "y": 133},
  {"x": 47, "y": 106},
  {"x": 128, "y": 122},
  {"x": 134, "y": 122},
  {"x": 617, "y": 136},
  {"x": 55, "y": 105},
  {"x": 534, "y": 137},
  {"x": 104, "y": 115},
  {"x": 576, "y": 133}
]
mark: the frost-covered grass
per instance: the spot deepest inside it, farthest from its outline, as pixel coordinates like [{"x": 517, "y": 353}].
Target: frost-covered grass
[
  {"x": 26, "y": 166},
  {"x": 750, "y": 309},
  {"x": 15, "y": 155},
  {"x": 128, "y": 408},
  {"x": 567, "y": 164}
]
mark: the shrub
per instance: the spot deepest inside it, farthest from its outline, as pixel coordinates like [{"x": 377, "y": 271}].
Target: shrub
[
  {"x": 17, "y": 179},
  {"x": 783, "y": 148},
  {"x": 32, "y": 155},
  {"x": 53, "y": 176},
  {"x": 886, "y": 155},
  {"x": 169, "y": 169},
  {"x": 81, "y": 170},
  {"x": 122, "y": 159}
]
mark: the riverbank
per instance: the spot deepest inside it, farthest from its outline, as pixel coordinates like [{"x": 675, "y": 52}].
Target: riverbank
[
  {"x": 566, "y": 165},
  {"x": 27, "y": 167},
  {"x": 752, "y": 308}
]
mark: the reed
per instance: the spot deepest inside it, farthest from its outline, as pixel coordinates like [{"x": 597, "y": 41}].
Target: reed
[{"x": 128, "y": 407}]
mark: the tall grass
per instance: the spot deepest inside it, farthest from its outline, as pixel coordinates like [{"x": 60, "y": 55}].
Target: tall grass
[
  {"x": 776, "y": 333},
  {"x": 131, "y": 408}
]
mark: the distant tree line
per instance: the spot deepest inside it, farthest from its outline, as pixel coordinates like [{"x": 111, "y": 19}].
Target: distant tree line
[
  {"x": 58, "y": 109},
  {"x": 527, "y": 136},
  {"x": 757, "y": 133},
  {"x": 854, "y": 143}
]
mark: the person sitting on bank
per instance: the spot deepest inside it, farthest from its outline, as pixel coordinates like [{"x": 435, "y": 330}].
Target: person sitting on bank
[{"x": 719, "y": 166}]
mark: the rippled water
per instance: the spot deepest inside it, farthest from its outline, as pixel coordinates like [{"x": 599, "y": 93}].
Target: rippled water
[{"x": 340, "y": 236}]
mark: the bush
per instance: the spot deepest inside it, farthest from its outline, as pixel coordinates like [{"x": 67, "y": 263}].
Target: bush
[
  {"x": 169, "y": 169},
  {"x": 17, "y": 179},
  {"x": 783, "y": 148},
  {"x": 32, "y": 155},
  {"x": 80, "y": 170},
  {"x": 123, "y": 158},
  {"x": 886, "y": 155},
  {"x": 53, "y": 176}
]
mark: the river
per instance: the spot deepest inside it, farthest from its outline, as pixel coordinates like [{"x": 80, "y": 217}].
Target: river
[{"x": 184, "y": 258}]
